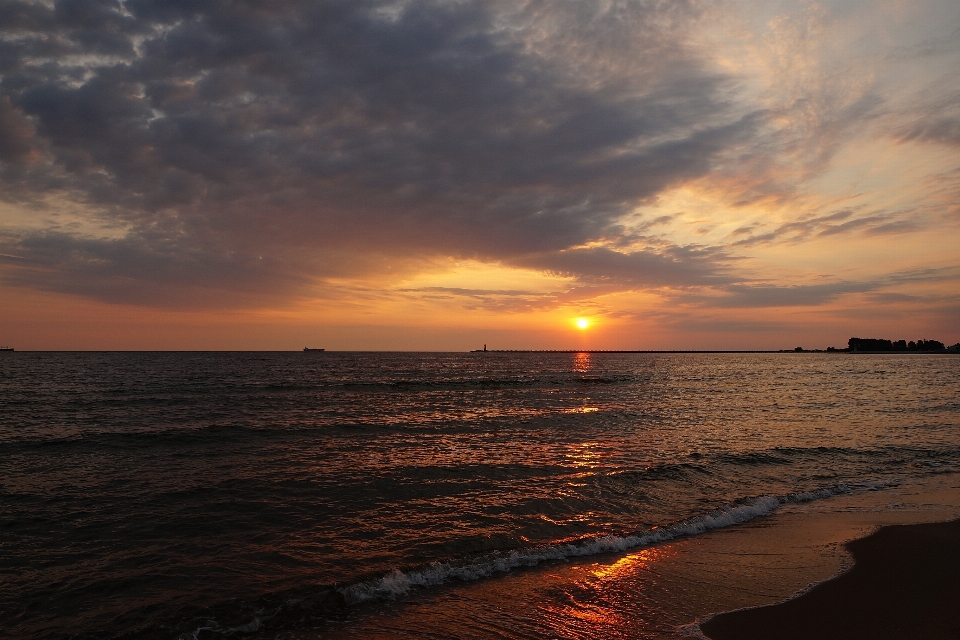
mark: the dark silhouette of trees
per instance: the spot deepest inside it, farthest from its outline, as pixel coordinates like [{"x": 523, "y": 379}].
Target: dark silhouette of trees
[{"x": 880, "y": 344}]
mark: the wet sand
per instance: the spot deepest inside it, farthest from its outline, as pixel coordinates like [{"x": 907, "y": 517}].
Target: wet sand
[
  {"x": 658, "y": 593},
  {"x": 905, "y": 584}
]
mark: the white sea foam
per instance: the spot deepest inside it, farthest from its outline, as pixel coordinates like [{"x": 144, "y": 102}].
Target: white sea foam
[
  {"x": 212, "y": 626},
  {"x": 397, "y": 582}
]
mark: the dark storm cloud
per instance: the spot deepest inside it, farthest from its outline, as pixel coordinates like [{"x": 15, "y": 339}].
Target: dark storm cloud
[
  {"x": 16, "y": 134},
  {"x": 227, "y": 133},
  {"x": 154, "y": 269}
]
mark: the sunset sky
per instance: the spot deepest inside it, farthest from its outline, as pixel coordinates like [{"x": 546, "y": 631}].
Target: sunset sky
[{"x": 403, "y": 175}]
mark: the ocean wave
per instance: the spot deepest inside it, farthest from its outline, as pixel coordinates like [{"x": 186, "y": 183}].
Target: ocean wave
[{"x": 398, "y": 582}]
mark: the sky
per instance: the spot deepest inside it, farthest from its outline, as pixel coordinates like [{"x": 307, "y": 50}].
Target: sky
[{"x": 440, "y": 175}]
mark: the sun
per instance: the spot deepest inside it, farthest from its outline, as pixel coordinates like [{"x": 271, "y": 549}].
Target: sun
[{"x": 582, "y": 323}]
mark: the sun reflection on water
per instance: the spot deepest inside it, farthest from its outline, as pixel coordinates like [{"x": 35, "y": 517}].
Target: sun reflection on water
[
  {"x": 582, "y": 410},
  {"x": 585, "y": 616},
  {"x": 630, "y": 564},
  {"x": 584, "y": 455},
  {"x": 595, "y": 602},
  {"x": 581, "y": 362}
]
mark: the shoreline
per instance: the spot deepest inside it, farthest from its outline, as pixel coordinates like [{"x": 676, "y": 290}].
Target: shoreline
[
  {"x": 905, "y": 582},
  {"x": 661, "y": 592}
]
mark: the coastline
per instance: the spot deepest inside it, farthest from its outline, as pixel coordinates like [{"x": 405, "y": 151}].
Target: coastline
[
  {"x": 905, "y": 583},
  {"x": 663, "y": 591}
]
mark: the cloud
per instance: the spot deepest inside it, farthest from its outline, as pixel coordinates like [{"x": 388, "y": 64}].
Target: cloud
[
  {"x": 506, "y": 300},
  {"x": 930, "y": 274},
  {"x": 481, "y": 129},
  {"x": 936, "y": 121},
  {"x": 738, "y": 326},
  {"x": 595, "y": 271},
  {"x": 886, "y": 298},
  {"x": 223, "y": 153},
  {"x": 674, "y": 266},
  {"x": 760, "y": 296},
  {"x": 142, "y": 269},
  {"x": 16, "y": 134},
  {"x": 837, "y": 223},
  {"x": 748, "y": 295}
]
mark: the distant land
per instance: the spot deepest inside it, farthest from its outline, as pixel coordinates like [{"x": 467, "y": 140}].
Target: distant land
[
  {"x": 881, "y": 344},
  {"x": 631, "y": 351},
  {"x": 854, "y": 345}
]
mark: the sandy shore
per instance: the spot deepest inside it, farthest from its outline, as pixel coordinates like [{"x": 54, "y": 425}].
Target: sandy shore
[
  {"x": 660, "y": 592},
  {"x": 905, "y": 584}
]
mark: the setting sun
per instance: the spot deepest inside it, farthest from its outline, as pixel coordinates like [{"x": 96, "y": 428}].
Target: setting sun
[{"x": 582, "y": 323}]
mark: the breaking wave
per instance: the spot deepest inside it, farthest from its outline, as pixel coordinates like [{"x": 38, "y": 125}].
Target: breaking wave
[{"x": 397, "y": 582}]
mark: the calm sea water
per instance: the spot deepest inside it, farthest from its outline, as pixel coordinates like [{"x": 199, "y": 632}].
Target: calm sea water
[{"x": 206, "y": 495}]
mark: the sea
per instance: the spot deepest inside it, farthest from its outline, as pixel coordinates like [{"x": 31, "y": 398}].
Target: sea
[{"x": 198, "y": 496}]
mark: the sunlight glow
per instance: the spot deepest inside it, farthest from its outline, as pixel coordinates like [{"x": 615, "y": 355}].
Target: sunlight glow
[{"x": 582, "y": 323}]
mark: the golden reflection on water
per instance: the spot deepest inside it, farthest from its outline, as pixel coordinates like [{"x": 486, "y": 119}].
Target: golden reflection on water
[
  {"x": 595, "y": 604},
  {"x": 581, "y": 362},
  {"x": 587, "y": 615},
  {"x": 583, "y": 455},
  {"x": 582, "y": 410},
  {"x": 631, "y": 563}
]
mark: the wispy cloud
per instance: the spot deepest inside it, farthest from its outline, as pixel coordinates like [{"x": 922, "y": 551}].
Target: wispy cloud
[{"x": 838, "y": 223}]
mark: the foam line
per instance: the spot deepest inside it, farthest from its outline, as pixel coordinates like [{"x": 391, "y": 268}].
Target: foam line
[{"x": 397, "y": 582}]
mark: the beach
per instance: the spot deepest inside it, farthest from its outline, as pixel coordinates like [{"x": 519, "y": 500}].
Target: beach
[
  {"x": 905, "y": 584},
  {"x": 662, "y": 592}
]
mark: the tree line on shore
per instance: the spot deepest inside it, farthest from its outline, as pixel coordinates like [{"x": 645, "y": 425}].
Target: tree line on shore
[{"x": 880, "y": 344}]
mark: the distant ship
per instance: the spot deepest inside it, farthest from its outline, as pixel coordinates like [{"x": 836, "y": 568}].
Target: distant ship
[
  {"x": 6, "y": 348},
  {"x": 309, "y": 349}
]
